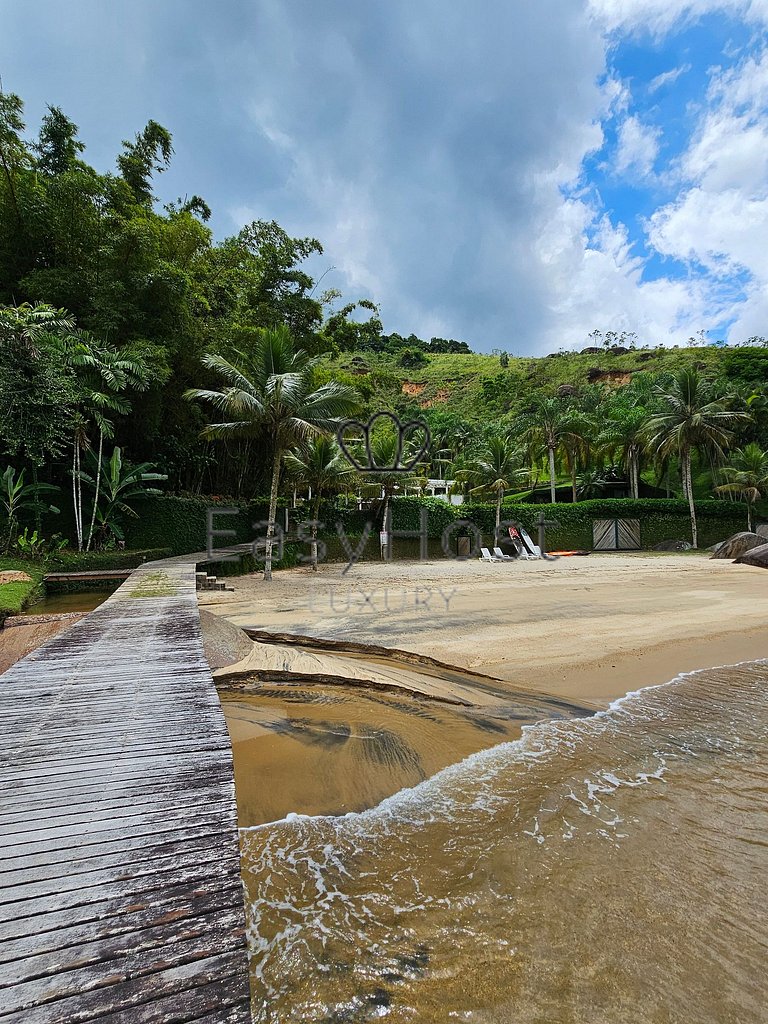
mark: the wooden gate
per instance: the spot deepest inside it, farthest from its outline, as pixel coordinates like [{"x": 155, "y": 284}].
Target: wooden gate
[{"x": 616, "y": 534}]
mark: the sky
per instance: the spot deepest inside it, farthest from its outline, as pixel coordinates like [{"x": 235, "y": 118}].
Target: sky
[{"x": 510, "y": 174}]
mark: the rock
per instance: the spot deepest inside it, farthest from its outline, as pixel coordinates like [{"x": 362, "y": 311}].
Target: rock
[
  {"x": 224, "y": 643},
  {"x": 672, "y": 545},
  {"x": 591, "y": 350},
  {"x": 567, "y": 391},
  {"x": 762, "y": 530},
  {"x": 756, "y": 556},
  {"x": 737, "y": 545}
]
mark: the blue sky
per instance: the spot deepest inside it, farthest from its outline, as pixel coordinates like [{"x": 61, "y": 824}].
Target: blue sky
[{"x": 510, "y": 174}]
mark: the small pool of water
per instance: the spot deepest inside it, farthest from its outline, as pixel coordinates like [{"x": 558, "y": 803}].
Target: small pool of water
[{"x": 82, "y": 601}]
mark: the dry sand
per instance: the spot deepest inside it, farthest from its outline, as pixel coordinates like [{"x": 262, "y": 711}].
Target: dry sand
[{"x": 588, "y": 629}]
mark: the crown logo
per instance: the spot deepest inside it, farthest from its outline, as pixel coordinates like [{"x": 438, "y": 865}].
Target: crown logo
[{"x": 405, "y": 434}]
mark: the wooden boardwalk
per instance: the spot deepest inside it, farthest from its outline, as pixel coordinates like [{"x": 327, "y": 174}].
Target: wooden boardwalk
[
  {"x": 120, "y": 891},
  {"x": 87, "y": 576}
]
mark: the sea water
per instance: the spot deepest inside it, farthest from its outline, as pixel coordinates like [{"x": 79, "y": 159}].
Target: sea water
[{"x": 602, "y": 869}]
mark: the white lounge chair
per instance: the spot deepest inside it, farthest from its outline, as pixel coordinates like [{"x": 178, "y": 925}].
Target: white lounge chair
[
  {"x": 533, "y": 550},
  {"x": 486, "y": 556},
  {"x": 499, "y": 554}
]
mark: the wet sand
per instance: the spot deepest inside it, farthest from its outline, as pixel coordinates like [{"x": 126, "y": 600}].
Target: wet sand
[
  {"x": 318, "y": 728},
  {"x": 588, "y": 629}
]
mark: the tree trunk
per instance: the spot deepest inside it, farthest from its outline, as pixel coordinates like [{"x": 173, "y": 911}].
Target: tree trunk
[
  {"x": 38, "y": 513},
  {"x": 77, "y": 494},
  {"x": 499, "y": 495},
  {"x": 689, "y": 494},
  {"x": 315, "y": 514},
  {"x": 74, "y": 488},
  {"x": 749, "y": 516},
  {"x": 272, "y": 514},
  {"x": 574, "y": 497},
  {"x": 96, "y": 493},
  {"x": 79, "y": 504},
  {"x": 552, "y": 474}
]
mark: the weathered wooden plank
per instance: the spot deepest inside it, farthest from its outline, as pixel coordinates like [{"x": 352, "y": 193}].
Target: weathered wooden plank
[
  {"x": 109, "y": 844},
  {"x": 124, "y": 914},
  {"x": 178, "y": 908},
  {"x": 100, "y": 875},
  {"x": 87, "y": 575},
  {"x": 153, "y": 980},
  {"x": 120, "y": 892},
  {"x": 214, "y": 1004}
]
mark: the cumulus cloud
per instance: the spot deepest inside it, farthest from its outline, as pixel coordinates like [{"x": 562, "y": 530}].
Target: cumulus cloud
[
  {"x": 659, "y": 16},
  {"x": 719, "y": 221}
]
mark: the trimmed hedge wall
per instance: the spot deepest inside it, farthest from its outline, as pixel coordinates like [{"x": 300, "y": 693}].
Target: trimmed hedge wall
[
  {"x": 85, "y": 561},
  {"x": 178, "y": 525}
]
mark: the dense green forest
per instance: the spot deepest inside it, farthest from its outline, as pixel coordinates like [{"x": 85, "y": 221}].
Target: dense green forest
[{"x": 138, "y": 352}]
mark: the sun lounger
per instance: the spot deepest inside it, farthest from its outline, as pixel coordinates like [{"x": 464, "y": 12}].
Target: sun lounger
[
  {"x": 530, "y": 550},
  {"x": 498, "y": 553},
  {"x": 486, "y": 556}
]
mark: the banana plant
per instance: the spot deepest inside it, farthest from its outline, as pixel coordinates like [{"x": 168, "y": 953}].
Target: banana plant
[
  {"x": 119, "y": 483},
  {"x": 17, "y": 496}
]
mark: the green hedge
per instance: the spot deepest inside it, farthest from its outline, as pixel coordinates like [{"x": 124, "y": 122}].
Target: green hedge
[
  {"x": 85, "y": 561},
  {"x": 177, "y": 525}
]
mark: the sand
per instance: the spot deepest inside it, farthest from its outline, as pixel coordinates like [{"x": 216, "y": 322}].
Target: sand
[
  {"x": 587, "y": 629},
  {"x": 23, "y": 634}
]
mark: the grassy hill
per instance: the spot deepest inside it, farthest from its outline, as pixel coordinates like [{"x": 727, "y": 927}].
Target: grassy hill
[{"x": 475, "y": 387}]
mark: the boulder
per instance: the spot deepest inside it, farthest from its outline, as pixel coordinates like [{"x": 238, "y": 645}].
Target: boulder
[
  {"x": 756, "y": 556},
  {"x": 567, "y": 391},
  {"x": 224, "y": 643},
  {"x": 737, "y": 545},
  {"x": 672, "y": 545},
  {"x": 762, "y": 530}
]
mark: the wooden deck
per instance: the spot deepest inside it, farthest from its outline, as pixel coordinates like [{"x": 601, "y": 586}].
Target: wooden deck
[{"x": 120, "y": 891}]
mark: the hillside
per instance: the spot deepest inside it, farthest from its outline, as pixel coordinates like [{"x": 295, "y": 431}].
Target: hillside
[{"x": 474, "y": 387}]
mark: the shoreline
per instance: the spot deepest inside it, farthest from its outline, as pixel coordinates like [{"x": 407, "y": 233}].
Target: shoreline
[
  {"x": 550, "y": 642},
  {"x": 587, "y": 630}
]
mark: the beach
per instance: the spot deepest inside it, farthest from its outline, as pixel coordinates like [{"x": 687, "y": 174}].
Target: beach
[
  {"x": 587, "y": 629},
  {"x": 362, "y": 684}
]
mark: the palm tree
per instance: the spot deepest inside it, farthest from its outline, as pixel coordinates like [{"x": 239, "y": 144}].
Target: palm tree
[
  {"x": 270, "y": 389},
  {"x": 322, "y": 467},
  {"x": 104, "y": 373},
  {"x": 690, "y": 419},
  {"x": 623, "y": 436},
  {"x": 26, "y": 326},
  {"x": 495, "y": 469},
  {"x": 550, "y": 425},
  {"x": 386, "y": 453},
  {"x": 747, "y": 476}
]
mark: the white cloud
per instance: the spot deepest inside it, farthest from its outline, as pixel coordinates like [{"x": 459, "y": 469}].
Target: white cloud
[
  {"x": 659, "y": 16},
  {"x": 638, "y": 147},
  {"x": 668, "y": 77},
  {"x": 719, "y": 222}
]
